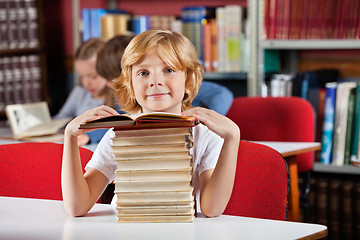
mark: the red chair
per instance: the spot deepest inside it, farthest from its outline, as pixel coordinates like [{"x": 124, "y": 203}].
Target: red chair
[
  {"x": 33, "y": 170},
  {"x": 289, "y": 119},
  {"x": 261, "y": 183}
]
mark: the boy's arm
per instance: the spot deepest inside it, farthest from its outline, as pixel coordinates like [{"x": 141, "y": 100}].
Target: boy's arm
[
  {"x": 80, "y": 192},
  {"x": 216, "y": 185}
]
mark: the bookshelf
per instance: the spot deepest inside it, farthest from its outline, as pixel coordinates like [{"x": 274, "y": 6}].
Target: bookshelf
[
  {"x": 259, "y": 44},
  {"x": 236, "y": 82},
  {"x": 22, "y": 56}
]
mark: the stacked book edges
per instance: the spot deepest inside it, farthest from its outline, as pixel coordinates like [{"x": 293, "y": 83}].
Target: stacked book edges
[{"x": 153, "y": 176}]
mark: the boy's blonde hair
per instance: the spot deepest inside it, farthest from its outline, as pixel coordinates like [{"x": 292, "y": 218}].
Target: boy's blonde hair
[{"x": 174, "y": 49}]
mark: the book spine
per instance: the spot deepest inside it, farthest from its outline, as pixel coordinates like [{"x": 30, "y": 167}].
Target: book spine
[
  {"x": 26, "y": 79},
  {"x": 16, "y": 81},
  {"x": 334, "y": 208},
  {"x": 346, "y": 208},
  {"x": 233, "y": 29},
  {"x": 356, "y": 125},
  {"x": 322, "y": 201},
  {"x": 349, "y": 129},
  {"x": 221, "y": 38},
  {"x": 328, "y": 124},
  {"x": 86, "y": 24},
  {"x": 11, "y": 24},
  {"x": 3, "y": 26},
  {"x": 341, "y": 109},
  {"x": 35, "y": 73},
  {"x": 32, "y": 23},
  {"x": 8, "y": 89}
]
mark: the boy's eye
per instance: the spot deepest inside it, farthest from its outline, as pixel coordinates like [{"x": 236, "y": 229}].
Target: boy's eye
[
  {"x": 169, "y": 70},
  {"x": 143, "y": 73}
]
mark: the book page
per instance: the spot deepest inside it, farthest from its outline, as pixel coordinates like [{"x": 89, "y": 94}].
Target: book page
[{"x": 24, "y": 116}]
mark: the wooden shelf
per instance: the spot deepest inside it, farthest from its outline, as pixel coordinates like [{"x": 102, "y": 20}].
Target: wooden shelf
[
  {"x": 310, "y": 44},
  {"x": 347, "y": 169},
  {"x": 17, "y": 51}
]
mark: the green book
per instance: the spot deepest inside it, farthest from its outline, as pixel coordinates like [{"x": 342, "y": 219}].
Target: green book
[
  {"x": 356, "y": 124},
  {"x": 349, "y": 126}
]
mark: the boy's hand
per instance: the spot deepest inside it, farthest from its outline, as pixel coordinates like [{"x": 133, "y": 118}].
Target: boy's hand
[
  {"x": 216, "y": 122},
  {"x": 72, "y": 129}
]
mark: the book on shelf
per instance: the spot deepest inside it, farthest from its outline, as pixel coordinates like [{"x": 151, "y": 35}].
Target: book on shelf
[
  {"x": 328, "y": 123},
  {"x": 349, "y": 126},
  {"x": 153, "y": 178},
  {"x": 341, "y": 114},
  {"x": 141, "y": 120},
  {"x": 32, "y": 120},
  {"x": 354, "y": 152},
  {"x": 306, "y": 19}
]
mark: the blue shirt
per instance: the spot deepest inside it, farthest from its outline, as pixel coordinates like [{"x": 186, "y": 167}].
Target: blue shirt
[
  {"x": 79, "y": 101},
  {"x": 214, "y": 96}
]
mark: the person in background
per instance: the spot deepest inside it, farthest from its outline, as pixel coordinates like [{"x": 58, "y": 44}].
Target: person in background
[
  {"x": 214, "y": 96},
  {"x": 108, "y": 63},
  {"x": 211, "y": 95},
  {"x": 161, "y": 73},
  {"x": 93, "y": 91}
]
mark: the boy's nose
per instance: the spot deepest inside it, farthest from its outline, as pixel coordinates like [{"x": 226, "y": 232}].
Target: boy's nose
[{"x": 156, "y": 81}]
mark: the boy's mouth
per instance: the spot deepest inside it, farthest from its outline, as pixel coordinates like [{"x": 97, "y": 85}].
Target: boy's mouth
[{"x": 157, "y": 95}]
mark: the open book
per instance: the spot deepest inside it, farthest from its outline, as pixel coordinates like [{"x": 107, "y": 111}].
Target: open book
[
  {"x": 141, "y": 120},
  {"x": 33, "y": 120}
]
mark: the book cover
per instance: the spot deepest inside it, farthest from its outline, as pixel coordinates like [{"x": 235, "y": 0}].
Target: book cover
[
  {"x": 141, "y": 120},
  {"x": 31, "y": 120},
  {"x": 328, "y": 124}
]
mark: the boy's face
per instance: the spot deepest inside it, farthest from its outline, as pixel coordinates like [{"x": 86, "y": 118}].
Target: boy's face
[{"x": 157, "y": 87}]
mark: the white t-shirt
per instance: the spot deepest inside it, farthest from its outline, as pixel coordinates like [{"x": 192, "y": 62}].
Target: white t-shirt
[{"x": 205, "y": 152}]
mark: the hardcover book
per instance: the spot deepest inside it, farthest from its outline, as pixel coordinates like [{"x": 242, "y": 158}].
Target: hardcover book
[{"x": 141, "y": 120}]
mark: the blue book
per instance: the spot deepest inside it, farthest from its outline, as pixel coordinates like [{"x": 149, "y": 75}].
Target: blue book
[
  {"x": 85, "y": 16},
  {"x": 141, "y": 24},
  {"x": 328, "y": 125}
]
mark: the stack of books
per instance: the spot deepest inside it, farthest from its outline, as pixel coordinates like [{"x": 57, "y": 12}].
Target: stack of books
[{"x": 154, "y": 167}]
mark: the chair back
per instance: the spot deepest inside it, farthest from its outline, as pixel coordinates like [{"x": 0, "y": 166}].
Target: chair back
[
  {"x": 33, "y": 170},
  {"x": 261, "y": 183},
  {"x": 289, "y": 119}
]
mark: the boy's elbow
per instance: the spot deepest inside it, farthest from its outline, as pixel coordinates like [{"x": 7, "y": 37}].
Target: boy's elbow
[
  {"x": 74, "y": 211},
  {"x": 211, "y": 211}
]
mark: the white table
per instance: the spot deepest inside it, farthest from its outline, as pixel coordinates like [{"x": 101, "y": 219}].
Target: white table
[
  {"x": 22, "y": 218},
  {"x": 292, "y": 148}
]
